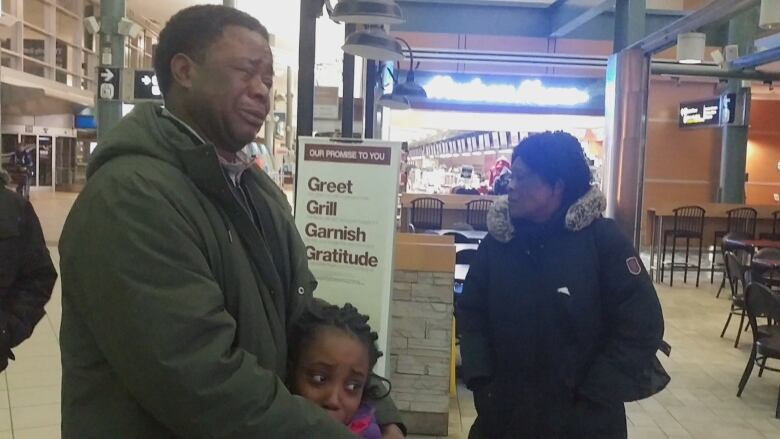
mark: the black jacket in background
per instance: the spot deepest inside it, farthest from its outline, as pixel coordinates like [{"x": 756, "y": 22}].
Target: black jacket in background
[
  {"x": 27, "y": 275},
  {"x": 557, "y": 322}
]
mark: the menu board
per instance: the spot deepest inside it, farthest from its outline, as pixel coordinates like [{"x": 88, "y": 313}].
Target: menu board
[{"x": 345, "y": 210}]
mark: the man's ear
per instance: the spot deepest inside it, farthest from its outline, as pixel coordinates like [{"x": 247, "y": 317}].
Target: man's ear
[{"x": 183, "y": 70}]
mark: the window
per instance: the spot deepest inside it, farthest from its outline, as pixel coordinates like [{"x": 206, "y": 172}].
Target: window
[{"x": 34, "y": 13}]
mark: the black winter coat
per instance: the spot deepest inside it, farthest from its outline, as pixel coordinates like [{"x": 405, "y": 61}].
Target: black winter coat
[
  {"x": 557, "y": 323},
  {"x": 27, "y": 275}
]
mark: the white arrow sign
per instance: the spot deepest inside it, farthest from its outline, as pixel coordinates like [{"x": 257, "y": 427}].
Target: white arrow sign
[{"x": 107, "y": 75}]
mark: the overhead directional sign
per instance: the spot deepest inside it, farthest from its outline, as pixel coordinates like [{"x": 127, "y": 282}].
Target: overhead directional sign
[
  {"x": 700, "y": 113},
  {"x": 728, "y": 109},
  {"x": 145, "y": 86},
  {"x": 108, "y": 83}
]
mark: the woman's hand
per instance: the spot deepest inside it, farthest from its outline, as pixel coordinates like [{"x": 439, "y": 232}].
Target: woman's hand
[{"x": 391, "y": 431}]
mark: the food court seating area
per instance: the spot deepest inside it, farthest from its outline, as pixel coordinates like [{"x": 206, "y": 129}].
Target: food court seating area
[{"x": 745, "y": 247}]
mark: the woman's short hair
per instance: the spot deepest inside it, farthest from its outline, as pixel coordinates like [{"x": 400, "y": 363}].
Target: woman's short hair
[{"x": 557, "y": 156}]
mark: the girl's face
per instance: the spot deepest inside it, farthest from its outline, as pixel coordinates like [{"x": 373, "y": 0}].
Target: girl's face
[{"x": 332, "y": 372}]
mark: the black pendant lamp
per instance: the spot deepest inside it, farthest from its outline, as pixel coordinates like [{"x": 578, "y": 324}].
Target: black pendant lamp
[{"x": 368, "y": 12}]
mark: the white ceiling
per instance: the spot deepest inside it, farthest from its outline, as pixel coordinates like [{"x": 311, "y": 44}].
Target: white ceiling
[{"x": 161, "y": 11}]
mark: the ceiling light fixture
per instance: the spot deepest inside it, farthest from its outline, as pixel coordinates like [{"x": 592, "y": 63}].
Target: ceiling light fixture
[
  {"x": 373, "y": 43},
  {"x": 690, "y": 47}
]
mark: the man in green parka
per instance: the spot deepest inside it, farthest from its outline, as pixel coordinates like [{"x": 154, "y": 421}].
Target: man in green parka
[{"x": 181, "y": 265}]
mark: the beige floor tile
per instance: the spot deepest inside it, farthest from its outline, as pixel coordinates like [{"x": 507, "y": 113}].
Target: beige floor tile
[
  {"x": 5, "y": 420},
  {"x": 37, "y": 349},
  {"x": 23, "y": 380},
  {"x": 50, "y": 432},
  {"x": 641, "y": 419},
  {"x": 35, "y": 396},
  {"x": 36, "y": 416},
  {"x": 646, "y": 433},
  {"x": 35, "y": 363}
]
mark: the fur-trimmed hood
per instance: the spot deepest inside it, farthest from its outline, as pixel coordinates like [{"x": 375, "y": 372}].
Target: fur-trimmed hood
[{"x": 581, "y": 214}]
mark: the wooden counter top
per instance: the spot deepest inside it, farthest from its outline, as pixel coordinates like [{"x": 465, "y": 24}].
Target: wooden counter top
[{"x": 418, "y": 253}]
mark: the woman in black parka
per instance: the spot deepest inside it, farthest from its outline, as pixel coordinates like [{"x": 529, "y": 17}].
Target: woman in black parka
[{"x": 559, "y": 322}]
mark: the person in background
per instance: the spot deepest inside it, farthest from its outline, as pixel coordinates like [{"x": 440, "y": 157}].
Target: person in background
[
  {"x": 333, "y": 351},
  {"x": 559, "y": 322},
  {"x": 501, "y": 184},
  {"x": 22, "y": 157},
  {"x": 182, "y": 268},
  {"x": 27, "y": 274},
  {"x": 24, "y": 168},
  {"x": 497, "y": 169}
]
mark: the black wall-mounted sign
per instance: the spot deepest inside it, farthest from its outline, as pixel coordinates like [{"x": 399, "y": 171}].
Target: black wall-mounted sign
[
  {"x": 108, "y": 83},
  {"x": 728, "y": 109},
  {"x": 145, "y": 86},
  {"x": 700, "y": 113}
]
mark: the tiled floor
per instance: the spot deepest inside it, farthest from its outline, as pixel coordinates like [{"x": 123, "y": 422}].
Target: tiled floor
[{"x": 700, "y": 402}]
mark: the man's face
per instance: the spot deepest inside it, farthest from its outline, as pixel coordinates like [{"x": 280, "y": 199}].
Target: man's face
[{"x": 229, "y": 96}]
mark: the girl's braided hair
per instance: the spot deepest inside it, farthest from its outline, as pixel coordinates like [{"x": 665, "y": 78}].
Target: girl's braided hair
[{"x": 320, "y": 314}]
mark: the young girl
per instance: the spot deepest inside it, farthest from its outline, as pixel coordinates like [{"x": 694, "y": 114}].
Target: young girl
[{"x": 332, "y": 353}]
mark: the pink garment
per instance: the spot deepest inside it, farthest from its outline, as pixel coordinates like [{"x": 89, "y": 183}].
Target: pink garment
[{"x": 364, "y": 424}]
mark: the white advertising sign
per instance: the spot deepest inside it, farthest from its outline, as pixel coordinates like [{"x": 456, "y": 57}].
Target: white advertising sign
[{"x": 345, "y": 209}]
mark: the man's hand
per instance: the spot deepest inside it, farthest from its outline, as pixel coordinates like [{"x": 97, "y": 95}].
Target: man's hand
[{"x": 391, "y": 431}]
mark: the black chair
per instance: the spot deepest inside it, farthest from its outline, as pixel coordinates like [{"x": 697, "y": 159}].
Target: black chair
[
  {"x": 742, "y": 254},
  {"x": 426, "y": 214},
  {"x": 476, "y": 213},
  {"x": 737, "y": 275},
  {"x": 760, "y": 301},
  {"x": 459, "y": 237},
  {"x": 465, "y": 256},
  {"x": 775, "y": 235},
  {"x": 739, "y": 220},
  {"x": 688, "y": 225}
]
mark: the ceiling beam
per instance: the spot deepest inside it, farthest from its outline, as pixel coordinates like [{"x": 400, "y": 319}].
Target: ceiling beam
[
  {"x": 581, "y": 19},
  {"x": 757, "y": 59},
  {"x": 430, "y": 16}
]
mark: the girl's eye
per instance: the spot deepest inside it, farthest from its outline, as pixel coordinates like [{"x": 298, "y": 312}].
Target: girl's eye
[
  {"x": 354, "y": 387},
  {"x": 318, "y": 378}
]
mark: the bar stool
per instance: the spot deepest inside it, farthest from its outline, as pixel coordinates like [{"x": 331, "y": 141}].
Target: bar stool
[
  {"x": 739, "y": 220},
  {"x": 476, "y": 213},
  {"x": 688, "y": 225},
  {"x": 427, "y": 213},
  {"x": 775, "y": 235}
]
